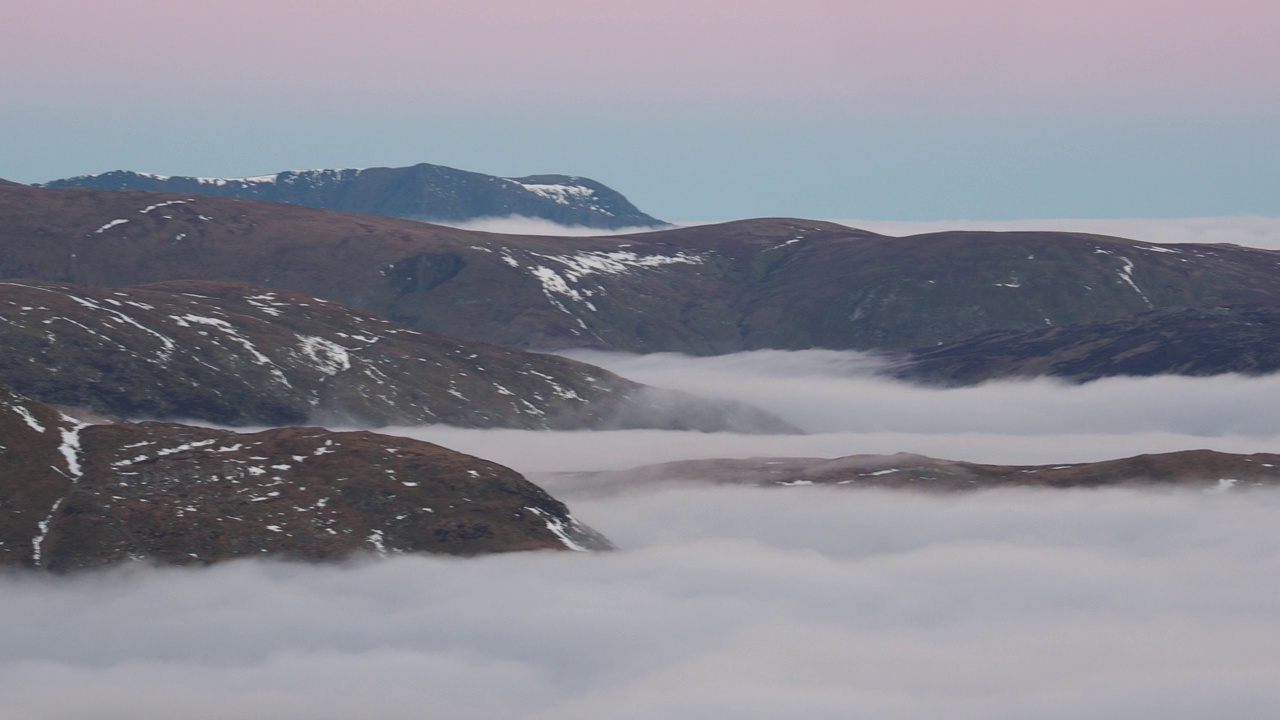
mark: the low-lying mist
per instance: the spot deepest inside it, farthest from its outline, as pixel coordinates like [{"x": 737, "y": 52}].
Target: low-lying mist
[
  {"x": 726, "y": 602},
  {"x": 738, "y": 602},
  {"x": 521, "y": 225},
  {"x": 846, "y": 408}
]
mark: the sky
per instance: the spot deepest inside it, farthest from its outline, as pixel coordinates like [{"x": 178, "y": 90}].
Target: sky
[{"x": 903, "y": 110}]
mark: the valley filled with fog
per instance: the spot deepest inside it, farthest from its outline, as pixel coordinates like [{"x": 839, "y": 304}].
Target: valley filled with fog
[
  {"x": 752, "y": 602},
  {"x": 758, "y": 603},
  {"x": 845, "y": 408}
]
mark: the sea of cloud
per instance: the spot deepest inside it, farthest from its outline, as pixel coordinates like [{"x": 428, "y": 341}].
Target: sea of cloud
[
  {"x": 722, "y": 602},
  {"x": 846, "y": 408},
  {"x": 738, "y": 602}
]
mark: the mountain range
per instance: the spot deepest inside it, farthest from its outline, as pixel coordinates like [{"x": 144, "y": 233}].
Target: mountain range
[
  {"x": 432, "y": 193},
  {"x": 237, "y": 311},
  {"x": 768, "y": 283}
]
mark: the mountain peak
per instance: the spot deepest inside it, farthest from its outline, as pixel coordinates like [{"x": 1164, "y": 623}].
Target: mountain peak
[{"x": 426, "y": 192}]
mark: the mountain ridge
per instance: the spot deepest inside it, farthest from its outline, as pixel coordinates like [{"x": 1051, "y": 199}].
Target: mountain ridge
[
  {"x": 765, "y": 283},
  {"x": 432, "y": 193}
]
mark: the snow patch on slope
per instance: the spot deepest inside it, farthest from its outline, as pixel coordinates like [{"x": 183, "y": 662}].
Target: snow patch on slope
[
  {"x": 327, "y": 356},
  {"x": 559, "y": 528},
  {"x": 108, "y": 226},
  {"x": 29, "y": 418},
  {"x": 1126, "y": 274}
]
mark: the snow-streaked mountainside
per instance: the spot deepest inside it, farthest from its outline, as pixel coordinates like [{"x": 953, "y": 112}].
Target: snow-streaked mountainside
[
  {"x": 236, "y": 354},
  {"x": 77, "y": 495},
  {"x": 426, "y": 192},
  {"x": 768, "y": 283}
]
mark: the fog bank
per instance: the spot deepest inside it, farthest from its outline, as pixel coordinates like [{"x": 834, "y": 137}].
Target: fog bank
[
  {"x": 521, "y": 225},
  {"x": 739, "y": 602},
  {"x": 847, "y": 409},
  {"x": 729, "y": 602}
]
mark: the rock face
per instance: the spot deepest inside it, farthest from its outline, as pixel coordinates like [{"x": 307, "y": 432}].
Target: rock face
[
  {"x": 1241, "y": 339},
  {"x": 433, "y": 193},
  {"x": 238, "y": 355},
  {"x": 784, "y": 284},
  {"x": 77, "y": 496},
  {"x": 1203, "y": 469}
]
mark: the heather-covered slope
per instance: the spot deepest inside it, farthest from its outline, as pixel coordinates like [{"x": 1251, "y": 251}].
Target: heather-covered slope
[
  {"x": 422, "y": 192},
  {"x": 235, "y": 354},
  {"x": 75, "y": 495},
  {"x": 772, "y": 283}
]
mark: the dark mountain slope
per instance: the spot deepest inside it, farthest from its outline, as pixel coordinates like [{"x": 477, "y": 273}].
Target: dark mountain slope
[
  {"x": 75, "y": 495},
  {"x": 1241, "y": 339},
  {"x": 422, "y": 192},
  {"x": 235, "y": 354},
  {"x": 770, "y": 283}
]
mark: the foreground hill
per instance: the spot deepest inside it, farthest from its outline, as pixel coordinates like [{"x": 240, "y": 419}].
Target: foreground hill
[
  {"x": 234, "y": 354},
  {"x": 771, "y": 283},
  {"x": 1200, "y": 469},
  {"x": 75, "y": 495},
  {"x": 1241, "y": 339},
  {"x": 422, "y": 192}
]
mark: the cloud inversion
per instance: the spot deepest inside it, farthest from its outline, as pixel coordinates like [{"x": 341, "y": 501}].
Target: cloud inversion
[{"x": 736, "y": 602}]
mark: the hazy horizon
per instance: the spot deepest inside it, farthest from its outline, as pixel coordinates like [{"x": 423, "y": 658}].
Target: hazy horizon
[{"x": 902, "y": 110}]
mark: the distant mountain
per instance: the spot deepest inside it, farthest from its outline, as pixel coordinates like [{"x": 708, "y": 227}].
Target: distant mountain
[
  {"x": 432, "y": 193},
  {"x": 1241, "y": 339},
  {"x": 77, "y": 495},
  {"x": 239, "y": 355},
  {"x": 769, "y": 283},
  {"x": 1196, "y": 469}
]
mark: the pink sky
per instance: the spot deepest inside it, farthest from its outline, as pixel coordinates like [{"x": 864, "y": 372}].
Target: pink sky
[{"x": 1141, "y": 52}]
